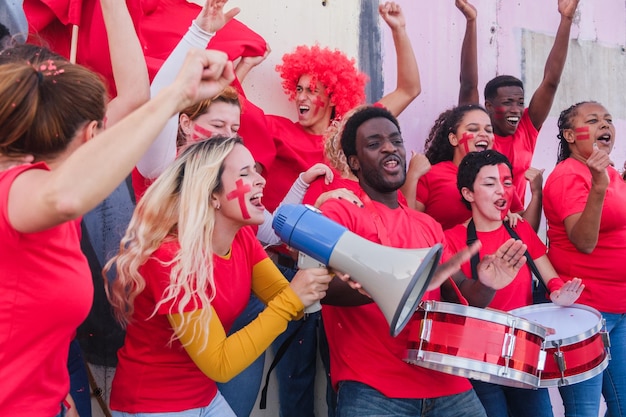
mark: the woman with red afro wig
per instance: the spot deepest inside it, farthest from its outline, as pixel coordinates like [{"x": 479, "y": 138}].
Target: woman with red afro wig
[{"x": 344, "y": 83}]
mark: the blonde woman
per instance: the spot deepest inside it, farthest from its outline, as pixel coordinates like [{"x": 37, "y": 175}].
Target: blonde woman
[{"x": 186, "y": 267}]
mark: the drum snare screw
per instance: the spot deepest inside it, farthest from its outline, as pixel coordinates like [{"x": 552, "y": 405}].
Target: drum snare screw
[{"x": 427, "y": 328}]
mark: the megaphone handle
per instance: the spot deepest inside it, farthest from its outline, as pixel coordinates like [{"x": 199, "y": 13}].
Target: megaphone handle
[{"x": 304, "y": 262}]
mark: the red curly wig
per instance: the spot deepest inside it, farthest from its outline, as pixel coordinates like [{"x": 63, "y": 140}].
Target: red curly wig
[{"x": 345, "y": 84}]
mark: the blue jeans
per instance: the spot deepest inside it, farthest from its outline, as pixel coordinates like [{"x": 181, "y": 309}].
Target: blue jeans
[
  {"x": 218, "y": 408},
  {"x": 501, "y": 401},
  {"x": 241, "y": 391},
  {"x": 79, "y": 382},
  {"x": 295, "y": 371},
  {"x": 583, "y": 399},
  {"x": 355, "y": 399}
]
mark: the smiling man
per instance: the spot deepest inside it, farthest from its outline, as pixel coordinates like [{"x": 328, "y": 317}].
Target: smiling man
[
  {"x": 366, "y": 364},
  {"x": 516, "y": 127}
]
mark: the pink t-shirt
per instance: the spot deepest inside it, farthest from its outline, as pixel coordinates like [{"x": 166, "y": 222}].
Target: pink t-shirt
[
  {"x": 361, "y": 348},
  {"x": 155, "y": 376},
  {"x": 519, "y": 292},
  {"x": 565, "y": 193},
  {"x": 519, "y": 148},
  {"x": 45, "y": 294}
]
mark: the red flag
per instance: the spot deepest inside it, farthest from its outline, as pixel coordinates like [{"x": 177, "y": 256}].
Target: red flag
[{"x": 50, "y": 24}]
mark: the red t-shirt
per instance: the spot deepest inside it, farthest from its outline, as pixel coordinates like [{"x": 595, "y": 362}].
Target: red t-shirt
[
  {"x": 519, "y": 148},
  {"x": 565, "y": 193},
  {"x": 319, "y": 187},
  {"x": 295, "y": 150},
  {"x": 361, "y": 348},
  {"x": 155, "y": 376},
  {"x": 518, "y": 293},
  {"x": 438, "y": 192},
  {"x": 45, "y": 293}
]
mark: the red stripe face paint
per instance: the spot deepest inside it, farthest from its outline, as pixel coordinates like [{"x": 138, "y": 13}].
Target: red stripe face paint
[
  {"x": 582, "y": 133},
  {"x": 200, "y": 133},
  {"x": 499, "y": 112},
  {"x": 465, "y": 140},
  {"x": 239, "y": 193},
  {"x": 506, "y": 181}
]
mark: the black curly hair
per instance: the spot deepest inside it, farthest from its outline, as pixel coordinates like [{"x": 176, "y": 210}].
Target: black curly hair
[
  {"x": 437, "y": 147},
  {"x": 348, "y": 136}
]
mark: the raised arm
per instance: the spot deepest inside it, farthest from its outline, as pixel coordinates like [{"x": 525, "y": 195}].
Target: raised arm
[
  {"x": 41, "y": 199},
  {"x": 532, "y": 212},
  {"x": 210, "y": 19},
  {"x": 247, "y": 63},
  {"x": 542, "y": 99},
  {"x": 127, "y": 60},
  {"x": 468, "y": 91},
  {"x": 409, "y": 85}
]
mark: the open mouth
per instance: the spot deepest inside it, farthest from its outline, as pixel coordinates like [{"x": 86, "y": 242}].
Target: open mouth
[
  {"x": 391, "y": 164},
  {"x": 501, "y": 203},
  {"x": 604, "y": 138},
  {"x": 481, "y": 145},
  {"x": 303, "y": 109},
  {"x": 513, "y": 120},
  {"x": 255, "y": 200}
]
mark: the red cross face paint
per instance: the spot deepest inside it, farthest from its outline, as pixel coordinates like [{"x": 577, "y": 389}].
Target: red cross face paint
[
  {"x": 582, "y": 133},
  {"x": 506, "y": 181},
  {"x": 240, "y": 194},
  {"x": 464, "y": 141}
]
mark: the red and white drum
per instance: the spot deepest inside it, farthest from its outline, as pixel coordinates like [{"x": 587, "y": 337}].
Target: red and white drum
[
  {"x": 579, "y": 348},
  {"x": 488, "y": 345}
]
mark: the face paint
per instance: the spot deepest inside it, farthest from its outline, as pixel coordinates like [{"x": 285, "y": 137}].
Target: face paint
[
  {"x": 319, "y": 104},
  {"x": 505, "y": 176},
  {"x": 239, "y": 193},
  {"x": 200, "y": 133},
  {"x": 499, "y": 112},
  {"x": 465, "y": 140},
  {"x": 582, "y": 133}
]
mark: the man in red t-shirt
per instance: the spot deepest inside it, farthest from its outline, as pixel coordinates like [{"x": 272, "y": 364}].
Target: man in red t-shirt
[
  {"x": 516, "y": 128},
  {"x": 366, "y": 362}
]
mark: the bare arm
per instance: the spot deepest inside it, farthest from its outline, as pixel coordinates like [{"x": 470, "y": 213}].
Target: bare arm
[
  {"x": 129, "y": 66},
  {"x": 418, "y": 166},
  {"x": 247, "y": 63},
  {"x": 468, "y": 91},
  {"x": 583, "y": 228},
  {"x": 409, "y": 85},
  {"x": 542, "y": 99},
  {"x": 40, "y": 199},
  {"x": 532, "y": 213}
]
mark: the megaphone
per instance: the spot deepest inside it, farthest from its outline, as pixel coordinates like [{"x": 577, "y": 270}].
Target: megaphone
[{"x": 395, "y": 278}]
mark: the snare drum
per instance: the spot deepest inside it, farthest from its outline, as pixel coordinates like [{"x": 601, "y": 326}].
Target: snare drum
[
  {"x": 579, "y": 349},
  {"x": 477, "y": 343}
]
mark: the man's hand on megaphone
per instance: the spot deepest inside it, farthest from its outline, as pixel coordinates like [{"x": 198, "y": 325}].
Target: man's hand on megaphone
[
  {"x": 497, "y": 270},
  {"x": 452, "y": 265},
  {"x": 310, "y": 284},
  {"x": 353, "y": 284}
]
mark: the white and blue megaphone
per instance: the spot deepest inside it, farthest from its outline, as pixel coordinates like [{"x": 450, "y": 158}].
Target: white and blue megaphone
[{"x": 395, "y": 278}]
